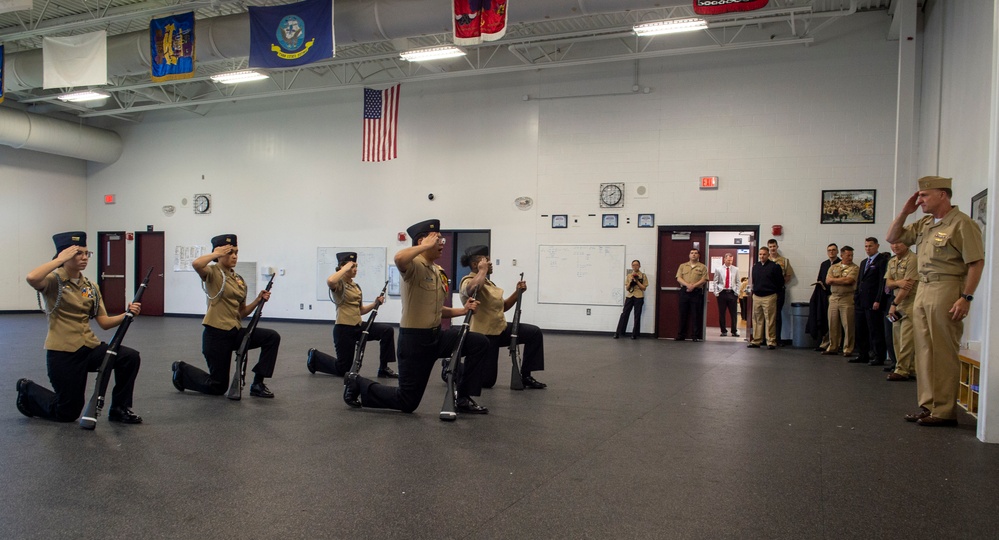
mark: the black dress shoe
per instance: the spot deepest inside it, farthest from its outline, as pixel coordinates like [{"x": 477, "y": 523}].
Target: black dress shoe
[
  {"x": 933, "y": 421},
  {"x": 735, "y": 334},
  {"x": 308, "y": 362},
  {"x": 616, "y": 335},
  {"x": 21, "y": 406},
  {"x": 178, "y": 380},
  {"x": 752, "y": 346},
  {"x": 724, "y": 334},
  {"x": 771, "y": 347},
  {"x": 856, "y": 360},
  {"x": 468, "y": 405},
  {"x": 531, "y": 382},
  {"x": 696, "y": 339},
  {"x": 123, "y": 415},
  {"x": 352, "y": 391},
  {"x": 819, "y": 349},
  {"x": 387, "y": 373},
  {"x": 680, "y": 339},
  {"x": 260, "y": 390},
  {"x": 874, "y": 363},
  {"x": 634, "y": 337}
]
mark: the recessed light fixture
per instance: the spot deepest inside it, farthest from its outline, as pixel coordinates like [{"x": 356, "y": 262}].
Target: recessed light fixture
[
  {"x": 84, "y": 95},
  {"x": 235, "y": 77},
  {"x": 670, "y": 27},
  {"x": 432, "y": 53}
]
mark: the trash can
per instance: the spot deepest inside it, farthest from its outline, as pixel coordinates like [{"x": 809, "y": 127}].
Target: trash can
[{"x": 799, "y": 337}]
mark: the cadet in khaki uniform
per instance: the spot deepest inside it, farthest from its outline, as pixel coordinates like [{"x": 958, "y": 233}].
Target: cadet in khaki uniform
[
  {"x": 902, "y": 277},
  {"x": 788, "y": 273},
  {"x": 71, "y": 348},
  {"x": 692, "y": 276},
  {"x": 349, "y": 325},
  {"x": 635, "y": 284},
  {"x": 490, "y": 321},
  {"x": 842, "y": 281},
  {"x": 950, "y": 258},
  {"x": 224, "y": 331},
  {"x": 421, "y": 341}
]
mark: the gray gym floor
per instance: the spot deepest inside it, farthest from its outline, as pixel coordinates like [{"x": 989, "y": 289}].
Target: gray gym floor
[{"x": 631, "y": 439}]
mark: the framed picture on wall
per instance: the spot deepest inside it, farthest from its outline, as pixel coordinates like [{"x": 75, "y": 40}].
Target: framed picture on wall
[
  {"x": 560, "y": 221},
  {"x": 979, "y": 210},
  {"x": 609, "y": 221},
  {"x": 646, "y": 221},
  {"x": 848, "y": 206}
]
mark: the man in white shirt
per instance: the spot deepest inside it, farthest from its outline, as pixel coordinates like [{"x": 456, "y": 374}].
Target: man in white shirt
[{"x": 726, "y": 291}]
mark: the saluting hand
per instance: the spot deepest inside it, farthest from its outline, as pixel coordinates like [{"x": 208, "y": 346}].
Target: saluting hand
[
  {"x": 910, "y": 205},
  {"x": 349, "y": 265},
  {"x": 222, "y": 251},
  {"x": 483, "y": 265},
  {"x": 430, "y": 240},
  {"x": 67, "y": 254}
]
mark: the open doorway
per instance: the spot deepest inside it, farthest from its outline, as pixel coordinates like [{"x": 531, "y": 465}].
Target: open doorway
[{"x": 740, "y": 245}]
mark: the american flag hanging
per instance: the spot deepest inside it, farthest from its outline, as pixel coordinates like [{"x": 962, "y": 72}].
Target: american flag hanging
[{"x": 381, "y": 120}]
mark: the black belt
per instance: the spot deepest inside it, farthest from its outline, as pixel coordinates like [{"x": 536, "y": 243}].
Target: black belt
[{"x": 421, "y": 331}]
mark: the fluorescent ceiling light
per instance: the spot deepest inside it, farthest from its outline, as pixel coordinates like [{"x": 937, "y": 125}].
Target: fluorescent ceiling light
[
  {"x": 432, "y": 53},
  {"x": 84, "y": 95},
  {"x": 670, "y": 27},
  {"x": 234, "y": 77}
]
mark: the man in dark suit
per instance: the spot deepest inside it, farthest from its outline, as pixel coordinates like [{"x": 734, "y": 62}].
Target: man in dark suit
[
  {"x": 870, "y": 302},
  {"x": 818, "y": 306}
]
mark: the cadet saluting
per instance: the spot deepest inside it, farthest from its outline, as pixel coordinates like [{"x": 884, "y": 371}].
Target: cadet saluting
[
  {"x": 223, "y": 332},
  {"x": 71, "y": 348}
]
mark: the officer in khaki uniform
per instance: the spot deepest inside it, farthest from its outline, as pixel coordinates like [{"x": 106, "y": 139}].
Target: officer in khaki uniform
[
  {"x": 635, "y": 284},
  {"x": 842, "y": 281},
  {"x": 692, "y": 276},
  {"x": 788, "y": 272},
  {"x": 71, "y": 348},
  {"x": 950, "y": 258},
  {"x": 901, "y": 277},
  {"x": 421, "y": 340}
]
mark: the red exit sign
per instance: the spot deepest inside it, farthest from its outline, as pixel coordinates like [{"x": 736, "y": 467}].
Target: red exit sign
[{"x": 709, "y": 182}]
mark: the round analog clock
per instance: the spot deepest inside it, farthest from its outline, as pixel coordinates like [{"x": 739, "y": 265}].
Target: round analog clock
[
  {"x": 612, "y": 195},
  {"x": 202, "y": 203}
]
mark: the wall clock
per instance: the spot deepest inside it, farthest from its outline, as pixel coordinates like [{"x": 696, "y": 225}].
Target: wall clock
[
  {"x": 203, "y": 203},
  {"x": 612, "y": 195}
]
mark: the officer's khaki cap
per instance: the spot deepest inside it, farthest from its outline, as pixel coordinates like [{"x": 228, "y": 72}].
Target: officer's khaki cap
[{"x": 934, "y": 182}]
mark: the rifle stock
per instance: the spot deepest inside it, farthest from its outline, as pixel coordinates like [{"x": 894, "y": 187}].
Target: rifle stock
[
  {"x": 451, "y": 365},
  {"x": 355, "y": 367},
  {"x": 88, "y": 420},
  {"x": 239, "y": 377},
  {"x": 516, "y": 381}
]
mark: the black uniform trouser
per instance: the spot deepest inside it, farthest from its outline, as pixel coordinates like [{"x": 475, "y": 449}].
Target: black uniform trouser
[
  {"x": 530, "y": 337},
  {"x": 781, "y": 296},
  {"x": 68, "y": 375},
  {"x": 345, "y": 339},
  {"x": 622, "y": 324},
  {"x": 419, "y": 351},
  {"x": 218, "y": 346},
  {"x": 744, "y": 306},
  {"x": 691, "y": 303},
  {"x": 876, "y": 333},
  {"x": 727, "y": 301}
]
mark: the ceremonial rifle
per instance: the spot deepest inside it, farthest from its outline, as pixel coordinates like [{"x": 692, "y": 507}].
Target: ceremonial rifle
[
  {"x": 239, "y": 377},
  {"x": 96, "y": 403},
  {"x": 516, "y": 381},
  {"x": 355, "y": 368},
  {"x": 451, "y": 366}
]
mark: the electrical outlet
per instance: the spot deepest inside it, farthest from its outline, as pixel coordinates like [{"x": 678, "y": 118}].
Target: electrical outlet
[{"x": 587, "y": 311}]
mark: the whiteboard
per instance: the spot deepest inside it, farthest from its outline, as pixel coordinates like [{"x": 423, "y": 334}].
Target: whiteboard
[
  {"x": 370, "y": 270},
  {"x": 589, "y": 275}
]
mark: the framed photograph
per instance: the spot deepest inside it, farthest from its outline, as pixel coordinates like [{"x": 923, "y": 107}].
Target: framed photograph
[
  {"x": 848, "y": 206},
  {"x": 646, "y": 221},
  {"x": 979, "y": 210},
  {"x": 560, "y": 221},
  {"x": 609, "y": 221}
]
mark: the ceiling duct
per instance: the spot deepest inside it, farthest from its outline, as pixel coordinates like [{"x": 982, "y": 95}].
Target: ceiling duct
[{"x": 21, "y": 129}]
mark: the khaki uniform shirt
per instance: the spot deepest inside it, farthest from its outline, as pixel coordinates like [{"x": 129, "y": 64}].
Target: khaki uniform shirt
[
  {"x": 223, "y": 311},
  {"x": 900, "y": 268},
  {"x": 691, "y": 272},
  {"x": 785, "y": 266},
  {"x": 840, "y": 270},
  {"x": 945, "y": 249},
  {"x": 637, "y": 291},
  {"x": 69, "y": 322},
  {"x": 424, "y": 288},
  {"x": 348, "y": 303},
  {"x": 489, "y": 318}
]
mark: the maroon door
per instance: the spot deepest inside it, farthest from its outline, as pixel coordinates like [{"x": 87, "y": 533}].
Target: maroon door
[
  {"x": 675, "y": 244},
  {"x": 149, "y": 248},
  {"x": 111, "y": 270}
]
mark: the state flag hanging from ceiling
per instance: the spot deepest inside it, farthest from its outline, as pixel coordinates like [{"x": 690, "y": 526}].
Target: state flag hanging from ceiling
[
  {"x": 80, "y": 60},
  {"x": 171, "y": 42},
  {"x": 291, "y": 35},
  {"x": 476, "y": 21},
  {"x": 714, "y": 7}
]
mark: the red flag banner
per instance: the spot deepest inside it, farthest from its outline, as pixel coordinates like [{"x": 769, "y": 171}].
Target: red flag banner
[
  {"x": 476, "y": 21},
  {"x": 381, "y": 122},
  {"x": 715, "y": 7}
]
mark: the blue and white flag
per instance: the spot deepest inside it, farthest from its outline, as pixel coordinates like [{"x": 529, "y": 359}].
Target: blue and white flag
[
  {"x": 171, "y": 42},
  {"x": 291, "y": 35}
]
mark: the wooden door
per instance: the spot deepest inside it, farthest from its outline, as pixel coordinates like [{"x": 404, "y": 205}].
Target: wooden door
[
  {"x": 675, "y": 243},
  {"x": 149, "y": 251},
  {"x": 111, "y": 270}
]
